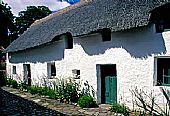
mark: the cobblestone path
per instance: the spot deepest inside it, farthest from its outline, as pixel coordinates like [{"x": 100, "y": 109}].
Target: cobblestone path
[
  {"x": 13, "y": 105},
  {"x": 14, "y": 102}
]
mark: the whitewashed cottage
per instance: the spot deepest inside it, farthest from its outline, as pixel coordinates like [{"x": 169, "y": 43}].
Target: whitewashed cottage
[{"x": 111, "y": 45}]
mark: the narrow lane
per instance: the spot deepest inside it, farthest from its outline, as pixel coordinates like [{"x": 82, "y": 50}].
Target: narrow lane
[{"x": 12, "y": 105}]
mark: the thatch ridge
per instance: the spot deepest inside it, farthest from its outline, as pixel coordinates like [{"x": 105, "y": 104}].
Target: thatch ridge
[{"x": 61, "y": 11}]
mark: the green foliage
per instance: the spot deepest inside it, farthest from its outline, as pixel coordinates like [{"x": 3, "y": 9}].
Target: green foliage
[
  {"x": 2, "y": 65},
  {"x": 118, "y": 108},
  {"x": 86, "y": 102},
  {"x": 11, "y": 82},
  {"x": 7, "y": 81},
  {"x": 27, "y": 17},
  {"x": 64, "y": 90},
  {"x": 14, "y": 83},
  {"x": 36, "y": 90},
  {"x": 51, "y": 94},
  {"x": 7, "y": 19},
  {"x": 6, "y": 10},
  {"x": 23, "y": 86},
  {"x": 67, "y": 90},
  {"x": 14, "y": 26},
  {"x": 42, "y": 91},
  {"x": 32, "y": 89}
]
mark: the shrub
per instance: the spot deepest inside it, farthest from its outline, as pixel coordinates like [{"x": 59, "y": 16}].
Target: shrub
[
  {"x": 32, "y": 90},
  {"x": 118, "y": 108},
  {"x": 51, "y": 94},
  {"x": 14, "y": 83},
  {"x": 86, "y": 102},
  {"x": 67, "y": 90},
  {"x": 42, "y": 90},
  {"x": 11, "y": 82},
  {"x": 23, "y": 86},
  {"x": 71, "y": 92},
  {"x": 8, "y": 81}
]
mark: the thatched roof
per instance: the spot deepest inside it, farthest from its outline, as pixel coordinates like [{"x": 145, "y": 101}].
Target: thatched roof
[{"x": 86, "y": 17}]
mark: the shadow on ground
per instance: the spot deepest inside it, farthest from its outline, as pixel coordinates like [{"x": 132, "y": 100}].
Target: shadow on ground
[{"x": 11, "y": 105}]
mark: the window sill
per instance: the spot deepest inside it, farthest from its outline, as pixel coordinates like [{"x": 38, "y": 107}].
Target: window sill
[
  {"x": 163, "y": 85},
  {"x": 51, "y": 77}
]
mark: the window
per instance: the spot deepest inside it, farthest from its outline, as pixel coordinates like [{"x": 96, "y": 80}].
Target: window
[
  {"x": 163, "y": 71},
  {"x": 51, "y": 69},
  {"x": 161, "y": 19},
  {"x": 69, "y": 41},
  {"x": 106, "y": 34},
  {"x": 159, "y": 27},
  {"x": 14, "y": 70},
  {"x": 162, "y": 26},
  {"x": 76, "y": 73}
]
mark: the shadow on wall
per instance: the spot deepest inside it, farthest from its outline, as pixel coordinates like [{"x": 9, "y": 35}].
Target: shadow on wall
[
  {"x": 138, "y": 42},
  {"x": 45, "y": 53}
]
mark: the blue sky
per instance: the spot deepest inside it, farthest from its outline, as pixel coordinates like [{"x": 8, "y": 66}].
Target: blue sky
[
  {"x": 71, "y": 1},
  {"x": 54, "y": 5}
]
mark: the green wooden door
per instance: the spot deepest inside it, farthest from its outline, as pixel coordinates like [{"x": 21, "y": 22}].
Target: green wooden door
[{"x": 110, "y": 89}]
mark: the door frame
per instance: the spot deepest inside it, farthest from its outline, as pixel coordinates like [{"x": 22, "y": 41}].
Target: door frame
[
  {"x": 100, "y": 87},
  {"x": 27, "y": 76}
]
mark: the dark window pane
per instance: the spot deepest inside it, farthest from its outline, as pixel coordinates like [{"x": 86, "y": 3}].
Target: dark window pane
[
  {"x": 14, "y": 70},
  {"x": 69, "y": 40},
  {"x": 106, "y": 34},
  {"x": 53, "y": 70},
  {"x": 163, "y": 71}
]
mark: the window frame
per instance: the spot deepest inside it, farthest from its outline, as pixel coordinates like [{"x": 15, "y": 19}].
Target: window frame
[
  {"x": 51, "y": 69},
  {"x": 14, "y": 70},
  {"x": 160, "y": 80}
]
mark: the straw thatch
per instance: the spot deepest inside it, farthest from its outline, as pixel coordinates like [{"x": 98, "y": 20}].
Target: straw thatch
[{"x": 86, "y": 17}]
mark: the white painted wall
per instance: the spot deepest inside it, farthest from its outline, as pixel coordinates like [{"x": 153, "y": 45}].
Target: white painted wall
[
  {"x": 132, "y": 51},
  {"x": 38, "y": 59}
]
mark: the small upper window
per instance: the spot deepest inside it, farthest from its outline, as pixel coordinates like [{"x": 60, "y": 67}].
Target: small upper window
[
  {"x": 69, "y": 41},
  {"x": 14, "y": 70},
  {"x": 106, "y": 34},
  {"x": 161, "y": 19},
  {"x": 162, "y": 26}
]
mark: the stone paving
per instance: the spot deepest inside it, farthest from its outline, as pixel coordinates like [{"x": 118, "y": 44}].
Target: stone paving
[{"x": 14, "y": 102}]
